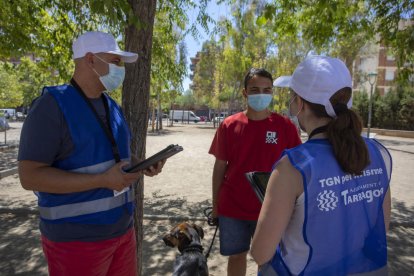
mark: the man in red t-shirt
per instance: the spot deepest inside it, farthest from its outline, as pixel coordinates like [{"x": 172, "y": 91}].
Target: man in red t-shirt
[{"x": 252, "y": 140}]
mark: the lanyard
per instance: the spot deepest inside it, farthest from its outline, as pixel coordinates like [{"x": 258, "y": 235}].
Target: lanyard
[
  {"x": 106, "y": 127},
  {"x": 317, "y": 131}
]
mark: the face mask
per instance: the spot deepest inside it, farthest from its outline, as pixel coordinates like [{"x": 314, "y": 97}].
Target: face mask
[
  {"x": 290, "y": 103},
  {"x": 114, "y": 78},
  {"x": 294, "y": 118},
  {"x": 259, "y": 102}
]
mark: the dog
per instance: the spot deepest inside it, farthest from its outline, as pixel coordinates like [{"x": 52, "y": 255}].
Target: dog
[{"x": 187, "y": 238}]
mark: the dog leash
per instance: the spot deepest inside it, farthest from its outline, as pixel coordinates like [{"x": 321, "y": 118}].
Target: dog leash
[{"x": 212, "y": 222}]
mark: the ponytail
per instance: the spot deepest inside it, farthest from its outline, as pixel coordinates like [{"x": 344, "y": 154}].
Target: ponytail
[
  {"x": 350, "y": 150},
  {"x": 344, "y": 133}
]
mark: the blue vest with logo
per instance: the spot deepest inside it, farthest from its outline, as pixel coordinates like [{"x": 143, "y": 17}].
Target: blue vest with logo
[
  {"x": 343, "y": 224},
  {"x": 92, "y": 154}
]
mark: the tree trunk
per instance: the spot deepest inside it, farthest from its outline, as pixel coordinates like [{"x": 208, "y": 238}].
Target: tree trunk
[
  {"x": 159, "y": 110},
  {"x": 135, "y": 97}
]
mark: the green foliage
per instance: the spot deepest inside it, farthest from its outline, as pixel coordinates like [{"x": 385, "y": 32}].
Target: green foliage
[
  {"x": 244, "y": 43},
  {"x": 392, "y": 22},
  {"x": 360, "y": 104},
  {"x": 387, "y": 110},
  {"x": 395, "y": 110},
  {"x": 341, "y": 28},
  {"x": 203, "y": 81},
  {"x": 33, "y": 76},
  {"x": 37, "y": 27},
  {"x": 186, "y": 100},
  {"x": 47, "y": 28},
  {"x": 246, "y": 39},
  {"x": 10, "y": 94},
  {"x": 406, "y": 113}
]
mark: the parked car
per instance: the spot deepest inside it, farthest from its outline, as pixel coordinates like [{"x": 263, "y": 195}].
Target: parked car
[
  {"x": 4, "y": 125},
  {"x": 184, "y": 115},
  {"x": 219, "y": 119},
  {"x": 20, "y": 116}
]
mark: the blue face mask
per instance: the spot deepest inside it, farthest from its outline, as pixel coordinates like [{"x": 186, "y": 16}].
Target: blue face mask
[
  {"x": 114, "y": 78},
  {"x": 259, "y": 102}
]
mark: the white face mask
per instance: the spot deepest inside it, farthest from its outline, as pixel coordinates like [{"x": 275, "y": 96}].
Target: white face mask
[
  {"x": 114, "y": 78},
  {"x": 290, "y": 103},
  {"x": 295, "y": 117}
]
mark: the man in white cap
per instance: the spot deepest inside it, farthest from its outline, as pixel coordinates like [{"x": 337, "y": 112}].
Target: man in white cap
[{"x": 73, "y": 145}]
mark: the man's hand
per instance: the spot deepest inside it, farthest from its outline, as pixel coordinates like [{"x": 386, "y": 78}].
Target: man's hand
[
  {"x": 214, "y": 211},
  {"x": 116, "y": 179},
  {"x": 154, "y": 170}
]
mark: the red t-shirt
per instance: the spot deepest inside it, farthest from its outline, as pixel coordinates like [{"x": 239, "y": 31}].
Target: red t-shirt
[{"x": 247, "y": 146}]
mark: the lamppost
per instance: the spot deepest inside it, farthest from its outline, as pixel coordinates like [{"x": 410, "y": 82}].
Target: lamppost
[{"x": 372, "y": 78}]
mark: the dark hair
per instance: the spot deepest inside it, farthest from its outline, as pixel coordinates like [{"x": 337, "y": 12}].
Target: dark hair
[
  {"x": 344, "y": 133},
  {"x": 257, "y": 72}
]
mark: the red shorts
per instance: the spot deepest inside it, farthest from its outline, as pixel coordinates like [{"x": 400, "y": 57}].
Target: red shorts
[{"x": 115, "y": 256}]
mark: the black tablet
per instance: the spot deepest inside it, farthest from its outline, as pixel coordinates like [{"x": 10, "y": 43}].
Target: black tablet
[
  {"x": 154, "y": 159},
  {"x": 258, "y": 181}
]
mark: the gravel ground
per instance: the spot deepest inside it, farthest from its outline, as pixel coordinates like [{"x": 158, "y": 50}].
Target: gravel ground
[{"x": 183, "y": 189}]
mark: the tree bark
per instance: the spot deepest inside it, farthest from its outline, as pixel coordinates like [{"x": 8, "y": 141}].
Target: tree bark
[{"x": 135, "y": 97}]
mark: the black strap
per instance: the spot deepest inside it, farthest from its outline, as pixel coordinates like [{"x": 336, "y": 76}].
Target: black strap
[
  {"x": 211, "y": 244},
  {"x": 317, "y": 131},
  {"x": 106, "y": 127},
  {"x": 212, "y": 222}
]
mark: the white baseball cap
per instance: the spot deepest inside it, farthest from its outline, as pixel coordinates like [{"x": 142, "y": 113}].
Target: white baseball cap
[
  {"x": 99, "y": 42},
  {"x": 316, "y": 79}
]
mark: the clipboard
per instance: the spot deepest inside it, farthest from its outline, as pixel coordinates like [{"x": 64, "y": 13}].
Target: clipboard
[
  {"x": 258, "y": 181},
  {"x": 154, "y": 159}
]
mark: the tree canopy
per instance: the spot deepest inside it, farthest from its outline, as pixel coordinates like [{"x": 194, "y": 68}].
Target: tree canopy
[{"x": 277, "y": 35}]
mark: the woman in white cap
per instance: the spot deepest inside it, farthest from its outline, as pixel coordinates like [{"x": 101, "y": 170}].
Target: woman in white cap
[{"x": 327, "y": 204}]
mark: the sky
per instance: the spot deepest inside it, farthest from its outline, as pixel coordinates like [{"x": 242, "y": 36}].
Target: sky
[{"x": 215, "y": 11}]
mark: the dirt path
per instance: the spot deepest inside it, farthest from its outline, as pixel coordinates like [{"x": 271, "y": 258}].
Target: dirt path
[{"x": 184, "y": 189}]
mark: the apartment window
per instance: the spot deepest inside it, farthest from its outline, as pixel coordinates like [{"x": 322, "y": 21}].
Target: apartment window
[
  {"x": 389, "y": 75},
  {"x": 390, "y": 57}
]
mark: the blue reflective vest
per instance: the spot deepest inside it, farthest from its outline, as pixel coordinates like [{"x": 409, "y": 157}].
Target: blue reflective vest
[
  {"x": 343, "y": 228},
  {"x": 92, "y": 154}
]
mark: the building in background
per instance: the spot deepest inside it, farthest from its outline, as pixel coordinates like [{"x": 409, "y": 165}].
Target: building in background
[
  {"x": 377, "y": 58},
  {"x": 381, "y": 61},
  {"x": 193, "y": 65}
]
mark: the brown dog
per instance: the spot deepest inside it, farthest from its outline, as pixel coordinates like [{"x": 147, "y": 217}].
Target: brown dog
[{"x": 187, "y": 238}]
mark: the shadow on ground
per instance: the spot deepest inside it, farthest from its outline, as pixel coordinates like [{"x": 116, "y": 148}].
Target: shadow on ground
[
  {"x": 401, "y": 240},
  {"x": 8, "y": 158},
  {"x": 21, "y": 253},
  {"x": 20, "y": 248},
  {"x": 161, "y": 132},
  {"x": 162, "y": 205}
]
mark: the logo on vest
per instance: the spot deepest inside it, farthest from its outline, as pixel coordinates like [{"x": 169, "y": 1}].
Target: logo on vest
[
  {"x": 271, "y": 137},
  {"x": 367, "y": 195},
  {"x": 327, "y": 200}
]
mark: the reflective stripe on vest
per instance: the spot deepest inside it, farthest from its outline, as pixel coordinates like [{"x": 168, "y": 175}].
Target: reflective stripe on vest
[
  {"x": 98, "y": 168},
  {"x": 87, "y": 207},
  {"x": 84, "y": 208}
]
